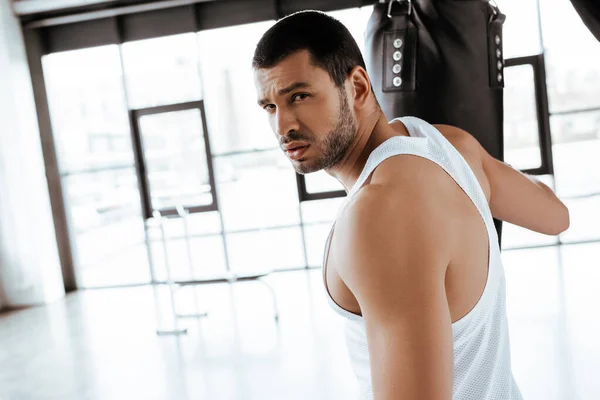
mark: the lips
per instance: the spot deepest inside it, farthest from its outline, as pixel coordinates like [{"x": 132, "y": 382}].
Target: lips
[{"x": 295, "y": 152}]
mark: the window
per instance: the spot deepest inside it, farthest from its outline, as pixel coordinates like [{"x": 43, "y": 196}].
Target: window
[
  {"x": 105, "y": 216},
  {"x": 207, "y": 255},
  {"x": 235, "y": 122},
  {"x": 270, "y": 249},
  {"x": 319, "y": 182},
  {"x": 521, "y": 30},
  {"x": 572, "y": 58},
  {"x": 585, "y": 219},
  {"x": 257, "y": 190},
  {"x": 162, "y": 71},
  {"x": 521, "y": 129},
  {"x": 576, "y": 147},
  {"x": 316, "y": 239},
  {"x": 87, "y": 108},
  {"x": 95, "y": 155},
  {"x": 356, "y": 20}
]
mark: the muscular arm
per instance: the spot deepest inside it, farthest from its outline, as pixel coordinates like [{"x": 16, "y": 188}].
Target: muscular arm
[
  {"x": 395, "y": 252},
  {"x": 515, "y": 197},
  {"x": 522, "y": 199}
]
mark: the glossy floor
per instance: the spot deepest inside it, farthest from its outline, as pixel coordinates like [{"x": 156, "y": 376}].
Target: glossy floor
[{"x": 101, "y": 344}]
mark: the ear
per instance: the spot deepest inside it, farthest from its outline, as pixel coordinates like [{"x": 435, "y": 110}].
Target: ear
[{"x": 360, "y": 85}]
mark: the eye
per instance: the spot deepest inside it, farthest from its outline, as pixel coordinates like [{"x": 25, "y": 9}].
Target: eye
[
  {"x": 269, "y": 108},
  {"x": 300, "y": 97}
]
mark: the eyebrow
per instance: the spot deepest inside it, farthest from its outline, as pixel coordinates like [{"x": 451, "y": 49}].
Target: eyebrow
[{"x": 286, "y": 90}]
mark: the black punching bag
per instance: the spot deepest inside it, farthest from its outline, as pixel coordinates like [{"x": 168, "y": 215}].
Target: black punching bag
[{"x": 441, "y": 61}]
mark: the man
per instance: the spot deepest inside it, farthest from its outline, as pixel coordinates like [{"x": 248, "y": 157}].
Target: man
[{"x": 413, "y": 261}]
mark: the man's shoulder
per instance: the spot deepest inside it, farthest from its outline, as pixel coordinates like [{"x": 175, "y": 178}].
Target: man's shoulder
[
  {"x": 463, "y": 141},
  {"x": 406, "y": 196},
  {"x": 387, "y": 206},
  {"x": 388, "y": 226},
  {"x": 407, "y": 178}
]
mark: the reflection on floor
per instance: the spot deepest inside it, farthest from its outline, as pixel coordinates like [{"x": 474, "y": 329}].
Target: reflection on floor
[{"x": 101, "y": 344}]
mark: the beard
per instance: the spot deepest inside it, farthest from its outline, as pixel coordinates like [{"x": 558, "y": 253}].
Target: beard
[{"x": 336, "y": 144}]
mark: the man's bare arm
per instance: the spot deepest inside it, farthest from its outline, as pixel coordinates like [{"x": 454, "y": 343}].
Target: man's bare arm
[
  {"x": 518, "y": 198},
  {"x": 393, "y": 254}
]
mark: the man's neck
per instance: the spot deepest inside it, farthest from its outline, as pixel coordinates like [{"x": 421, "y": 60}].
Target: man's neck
[{"x": 371, "y": 133}]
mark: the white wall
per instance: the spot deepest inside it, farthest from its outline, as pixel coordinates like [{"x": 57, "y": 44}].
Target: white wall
[{"x": 30, "y": 270}]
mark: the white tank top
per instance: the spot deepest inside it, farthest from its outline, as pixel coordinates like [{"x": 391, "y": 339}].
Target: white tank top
[{"x": 482, "y": 366}]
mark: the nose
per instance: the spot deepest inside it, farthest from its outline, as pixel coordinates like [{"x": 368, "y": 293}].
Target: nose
[{"x": 285, "y": 122}]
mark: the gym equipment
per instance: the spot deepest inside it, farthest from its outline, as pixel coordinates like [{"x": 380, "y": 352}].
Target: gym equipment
[
  {"x": 158, "y": 221},
  {"x": 441, "y": 61},
  {"x": 589, "y": 11}
]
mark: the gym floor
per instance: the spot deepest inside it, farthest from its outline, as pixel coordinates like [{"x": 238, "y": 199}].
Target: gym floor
[{"x": 101, "y": 344}]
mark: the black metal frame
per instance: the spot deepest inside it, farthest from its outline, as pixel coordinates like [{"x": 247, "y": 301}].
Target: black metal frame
[
  {"x": 543, "y": 118},
  {"x": 35, "y": 48},
  {"x": 140, "y": 160},
  {"x": 538, "y": 65},
  {"x": 304, "y": 195},
  {"x": 211, "y": 13}
]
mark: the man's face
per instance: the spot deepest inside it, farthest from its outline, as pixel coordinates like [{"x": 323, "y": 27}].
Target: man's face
[{"x": 309, "y": 114}]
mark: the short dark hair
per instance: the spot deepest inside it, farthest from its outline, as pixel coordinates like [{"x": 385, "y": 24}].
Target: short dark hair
[{"x": 328, "y": 41}]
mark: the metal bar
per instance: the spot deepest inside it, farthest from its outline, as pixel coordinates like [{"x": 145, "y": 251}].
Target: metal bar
[
  {"x": 542, "y": 110},
  {"x": 110, "y": 13},
  {"x": 223, "y": 279},
  {"x": 252, "y": 230},
  {"x": 303, "y": 236},
  {"x": 148, "y": 242},
  {"x": 304, "y": 195},
  {"x": 526, "y": 60},
  {"x": 35, "y": 48},
  {"x": 184, "y": 215},
  {"x": 301, "y": 185},
  {"x": 539, "y": 23},
  {"x": 575, "y": 111},
  {"x": 274, "y": 296},
  {"x": 535, "y": 171},
  {"x": 172, "y": 211},
  {"x": 192, "y": 316},
  {"x": 97, "y": 170},
  {"x": 188, "y": 105},
  {"x": 543, "y": 114},
  {"x": 244, "y": 152},
  {"x": 141, "y": 170},
  {"x": 562, "y": 243},
  {"x": 581, "y": 196},
  {"x": 28, "y": 7},
  {"x": 209, "y": 159},
  {"x": 325, "y": 195},
  {"x": 138, "y": 157},
  {"x": 170, "y": 281}
]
